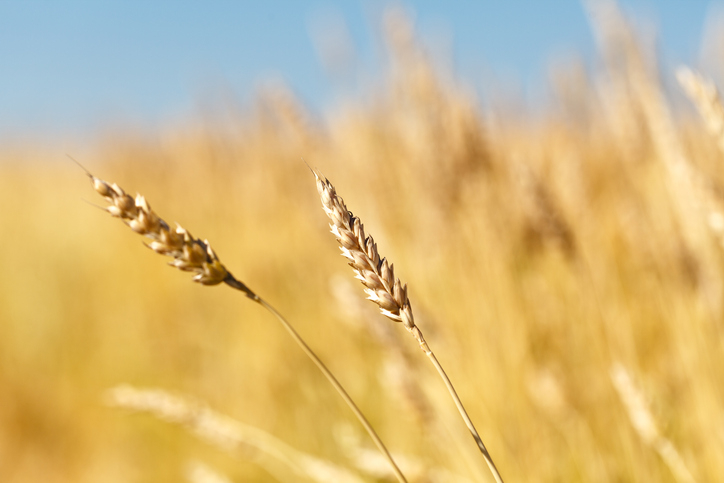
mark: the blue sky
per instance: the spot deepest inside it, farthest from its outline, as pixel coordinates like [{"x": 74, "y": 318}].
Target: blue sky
[{"x": 79, "y": 65}]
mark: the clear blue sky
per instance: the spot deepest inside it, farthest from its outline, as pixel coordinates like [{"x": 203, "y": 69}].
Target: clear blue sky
[{"x": 77, "y": 65}]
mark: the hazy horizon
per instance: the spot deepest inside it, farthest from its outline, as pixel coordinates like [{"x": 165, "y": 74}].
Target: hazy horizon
[{"x": 78, "y": 66}]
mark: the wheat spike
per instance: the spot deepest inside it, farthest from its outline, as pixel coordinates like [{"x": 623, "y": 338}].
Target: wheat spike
[
  {"x": 375, "y": 273},
  {"x": 643, "y": 422},
  {"x": 193, "y": 255},
  {"x": 189, "y": 254},
  {"x": 224, "y": 432},
  {"x": 706, "y": 98},
  {"x": 381, "y": 286}
]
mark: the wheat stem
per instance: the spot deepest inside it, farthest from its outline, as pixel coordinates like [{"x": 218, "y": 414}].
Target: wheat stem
[
  {"x": 464, "y": 415},
  {"x": 193, "y": 255},
  {"x": 643, "y": 422},
  {"x": 333, "y": 380},
  {"x": 381, "y": 286}
]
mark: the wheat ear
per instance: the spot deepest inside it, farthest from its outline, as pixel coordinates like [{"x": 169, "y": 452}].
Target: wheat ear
[
  {"x": 193, "y": 255},
  {"x": 381, "y": 286},
  {"x": 706, "y": 98},
  {"x": 643, "y": 422},
  {"x": 226, "y": 433}
]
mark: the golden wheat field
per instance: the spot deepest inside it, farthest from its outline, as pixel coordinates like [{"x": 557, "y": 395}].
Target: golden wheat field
[{"x": 566, "y": 267}]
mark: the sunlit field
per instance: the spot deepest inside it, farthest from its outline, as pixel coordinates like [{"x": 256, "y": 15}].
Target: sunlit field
[{"x": 565, "y": 263}]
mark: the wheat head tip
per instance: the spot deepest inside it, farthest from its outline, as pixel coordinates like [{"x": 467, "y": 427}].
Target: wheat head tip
[{"x": 375, "y": 273}]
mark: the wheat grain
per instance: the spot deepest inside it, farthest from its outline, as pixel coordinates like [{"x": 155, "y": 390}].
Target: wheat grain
[
  {"x": 189, "y": 254},
  {"x": 375, "y": 273},
  {"x": 382, "y": 288},
  {"x": 193, "y": 255}
]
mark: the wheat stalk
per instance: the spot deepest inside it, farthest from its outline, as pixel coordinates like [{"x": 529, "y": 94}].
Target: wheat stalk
[
  {"x": 381, "y": 286},
  {"x": 197, "y": 472},
  {"x": 189, "y": 254},
  {"x": 225, "y": 432},
  {"x": 706, "y": 98},
  {"x": 643, "y": 422},
  {"x": 194, "y": 255}
]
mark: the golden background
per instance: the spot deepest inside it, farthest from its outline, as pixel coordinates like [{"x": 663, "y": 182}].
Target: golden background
[{"x": 547, "y": 256}]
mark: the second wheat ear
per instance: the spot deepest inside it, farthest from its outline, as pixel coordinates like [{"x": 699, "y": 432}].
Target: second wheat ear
[
  {"x": 191, "y": 254},
  {"x": 381, "y": 286}
]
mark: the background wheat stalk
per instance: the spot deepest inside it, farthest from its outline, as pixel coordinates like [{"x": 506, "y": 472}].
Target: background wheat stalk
[
  {"x": 226, "y": 433},
  {"x": 194, "y": 255},
  {"x": 644, "y": 423},
  {"x": 706, "y": 99},
  {"x": 381, "y": 286}
]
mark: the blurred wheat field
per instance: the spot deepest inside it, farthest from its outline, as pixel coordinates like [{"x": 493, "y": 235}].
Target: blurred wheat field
[{"x": 561, "y": 267}]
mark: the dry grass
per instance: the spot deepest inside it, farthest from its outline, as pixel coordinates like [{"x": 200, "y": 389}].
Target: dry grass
[{"x": 540, "y": 251}]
